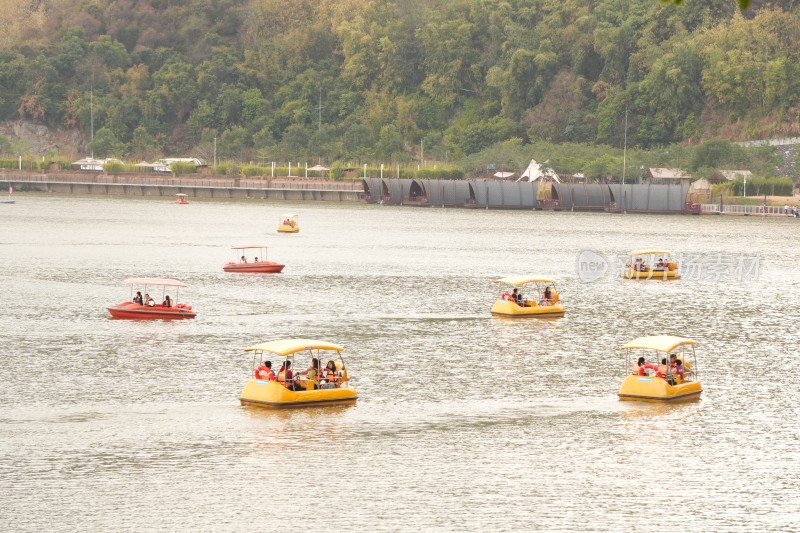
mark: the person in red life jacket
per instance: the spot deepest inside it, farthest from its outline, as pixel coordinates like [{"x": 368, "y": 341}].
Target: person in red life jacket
[
  {"x": 642, "y": 368},
  {"x": 264, "y": 371}
]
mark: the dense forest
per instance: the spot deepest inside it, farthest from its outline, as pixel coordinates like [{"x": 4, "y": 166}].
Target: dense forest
[{"x": 390, "y": 80}]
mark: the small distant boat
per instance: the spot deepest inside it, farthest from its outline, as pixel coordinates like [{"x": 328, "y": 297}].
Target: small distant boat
[
  {"x": 675, "y": 378},
  {"x": 10, "y": 198},
  {"x": 243, "y": 265},
  {"x": 147, "y": 308},
  {"x": 542, "y": 299},
  {"x": 288, "y": 223},
  {"x": 651, "y": 264},
  {"x": 181, "y": 198},
  {"x": 292, "y": 387}
]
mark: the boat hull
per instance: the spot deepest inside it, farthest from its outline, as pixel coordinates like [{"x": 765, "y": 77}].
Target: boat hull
[
  {"x": 273, "y": 395},
  {"x": 654, "y": 389},
  {"x": 131, "y": 310},
  {"x": 286, "y": 228},
  {"x": 261, "y": 266},
  {"x": 630, "y": 273},
  {"x": 509, "y": 308}
]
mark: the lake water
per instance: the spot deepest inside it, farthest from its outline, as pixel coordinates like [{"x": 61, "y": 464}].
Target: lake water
[{"x": 464, "y": 422}]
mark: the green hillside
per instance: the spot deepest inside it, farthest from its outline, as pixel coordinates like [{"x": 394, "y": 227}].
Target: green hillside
[{"x": 386, "y": 79}]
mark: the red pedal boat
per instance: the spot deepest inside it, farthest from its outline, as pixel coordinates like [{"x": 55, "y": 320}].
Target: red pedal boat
[
  {"x": 243, "y": 264},
  {"x": 145, "y": 307}
]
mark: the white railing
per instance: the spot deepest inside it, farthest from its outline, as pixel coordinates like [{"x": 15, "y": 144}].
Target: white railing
[{"x": 747, "y": 209}]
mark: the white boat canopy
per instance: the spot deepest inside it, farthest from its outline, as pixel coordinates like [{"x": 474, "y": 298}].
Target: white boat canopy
[
  {"x": 660, "y": 343},
  {"x": 248, "y": 246},
  {"x": 522, "y": 280},
  {"x": 155, "y": 281},
  {"x": 290, "y": 346},
  {"x": 650, "y": 252}
]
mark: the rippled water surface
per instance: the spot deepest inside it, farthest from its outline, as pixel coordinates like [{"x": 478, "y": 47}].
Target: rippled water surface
[{"x": 464, "y": 422}]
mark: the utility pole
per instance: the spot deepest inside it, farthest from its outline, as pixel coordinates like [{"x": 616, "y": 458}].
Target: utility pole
[
  {"x": 91, "y": 114},
  {"x": 215, "y": 151},
  {"x": 624, "y": 154},
  {"x": 319, "y": 110},
  {"x": 625, "y": 144}
]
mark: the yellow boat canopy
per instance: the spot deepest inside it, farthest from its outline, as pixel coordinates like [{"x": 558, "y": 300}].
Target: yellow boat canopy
[
  {"x": 650, "y": 252},
  {"x": 661, "y": 343},
  {"x": 290, "y": 346},
  {"x": 522, "y": 280}
]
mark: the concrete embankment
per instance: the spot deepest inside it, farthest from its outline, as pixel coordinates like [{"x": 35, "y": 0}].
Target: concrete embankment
[{"x": 287, "y": 188}]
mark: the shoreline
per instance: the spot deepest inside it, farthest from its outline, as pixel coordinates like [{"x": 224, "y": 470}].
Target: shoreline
[{"x": 464, "y": 194}]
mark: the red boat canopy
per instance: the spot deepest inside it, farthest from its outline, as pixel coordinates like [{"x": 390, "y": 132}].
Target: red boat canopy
[
  {"x": 155, "y": 281},
  {"x": 245, "y": 246}
]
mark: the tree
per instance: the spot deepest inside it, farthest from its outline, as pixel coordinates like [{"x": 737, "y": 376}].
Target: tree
[
  {"x": 105, "y": 143},
  {"x": 295, "y": 142},
  {"x": 254, "y": 106},
  {"x": 233, "y": 143},
  {"x": 717, "y": 155},
  {"x": 358, "y": 142},
  {"x": 390, "y": 144},
  {"x": 143, "y": 145}
]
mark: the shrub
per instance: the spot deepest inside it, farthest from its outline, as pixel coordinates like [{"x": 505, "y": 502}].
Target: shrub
[{"x": 182, "y": 167}]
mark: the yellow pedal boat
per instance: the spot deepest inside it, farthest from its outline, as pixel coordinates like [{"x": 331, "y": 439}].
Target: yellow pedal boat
[
  {"x": 541, "y": 299},
  {"x": 288, "y": 223},
  {"x": 651, "y": 264},
  {"x": 287, "y": 387},
  {"x": 671, "y": 378}
]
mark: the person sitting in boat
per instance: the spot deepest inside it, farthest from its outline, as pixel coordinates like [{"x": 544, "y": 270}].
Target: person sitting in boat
[
  {"x": 286, "y": 377},
  {"x": 638, "y": 265},
  {"x": 515, "y": 296},
  {"x": 642, "y": 367},
  {"x": 264, "y": 371},
  {"x": 243, "y": 259},
  {"x": 520, "y": 299},
  {"x": 663, "y": 372},
  {"x": 167, "y": 301},
  {"x": 547, "y": 297},
  {"x": 676, "y": 365},
  {"x": 256, "y": 260},
  {"x": 148, "y": 301},
  {"x": 331, "y": 376},
  {"x": 138, "y": 298},
  {"x": 312, "y": 373}
]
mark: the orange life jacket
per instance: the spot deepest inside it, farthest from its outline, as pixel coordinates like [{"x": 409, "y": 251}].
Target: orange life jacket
[{"x": 264, "y": 373}]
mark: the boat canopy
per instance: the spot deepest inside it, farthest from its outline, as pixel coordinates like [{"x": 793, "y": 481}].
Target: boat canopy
[
  {"x": 288, "y": 215},
  {"x": 248, "y": 246},
  {"x": 290, "y": 346},
  {"x": 181, "y": 194},
  {"x": 650, "y": 252},
  {"x": 155, "y": 281},
  {"x": 661, "y": 343},
  {"x": 522, "y": 280}
]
